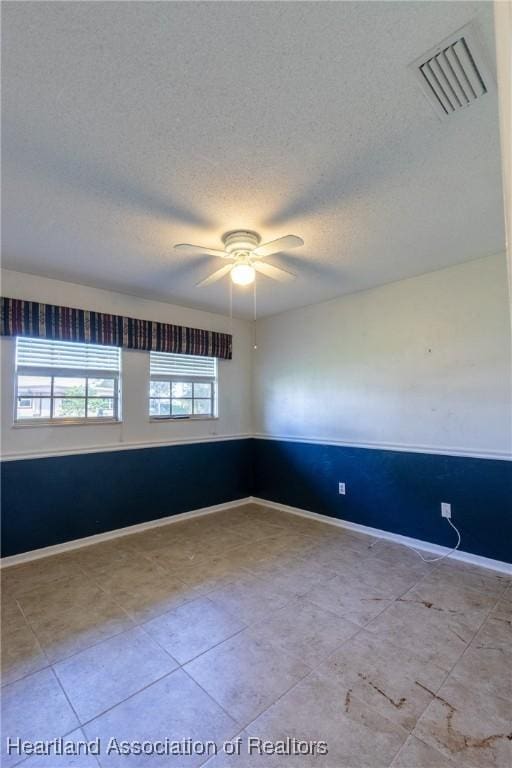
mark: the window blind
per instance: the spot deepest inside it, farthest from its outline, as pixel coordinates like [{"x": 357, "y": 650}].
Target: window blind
[
  {"x": 182, "y": 366},
  {"x": 42, "y": 353}
]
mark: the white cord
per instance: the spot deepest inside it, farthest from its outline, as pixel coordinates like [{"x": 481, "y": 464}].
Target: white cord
[{"x": 426, "y": 559}]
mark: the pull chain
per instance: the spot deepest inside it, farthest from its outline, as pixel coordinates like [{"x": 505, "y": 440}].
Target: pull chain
[
  {"x": 231, "y": 312},
  {"x": 231, "y": 307},
  {"x": 254, "y": 344}
]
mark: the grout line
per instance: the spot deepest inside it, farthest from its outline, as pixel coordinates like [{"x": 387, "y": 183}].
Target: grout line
[
  {"x": 302, "y": 555},
  {"x": 54, "y": 673},
  {"x": 196, "y": 682},
  {"x": 193, "y": 658},
  {"x": 450, "y": 671},
  {"x": 84, "y": 723},
  {"x": 442, "y": 757}
]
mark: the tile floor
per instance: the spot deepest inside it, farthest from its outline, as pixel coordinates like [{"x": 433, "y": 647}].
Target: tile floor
[{"x": 253, "y": 624}]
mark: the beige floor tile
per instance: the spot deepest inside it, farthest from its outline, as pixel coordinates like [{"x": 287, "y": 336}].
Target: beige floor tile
[
  {"x": 473, "y": 730},
  {"x": 219, "y": 539},
  {"x": 257, "y": 511},
  {"x": 305, "y": 630},
  {"x": 487, "y": 663},
  {"x": 62, "y": 595},
  {"x": 245, "y": 674},
  {"x": 503, "y": 609},
  {"x": 350, "y": 599},
  {"x": 21, "y": 578},
  {"x": 11, "y": 615},
  {"x": 496, "y": 633},
  {"x": 144, "y": 590},
  {"x": 237, "y": 514},
  {"x": 392, "y": 553},
  {"x": 294, "y": 576},
  {"x": 173, "y": 708},
  {"x": 246, "y": 751},
  {"x": 253, "y": 530},
  {"x": 287, "y": 543},
  {"x": 102, "y": 676},
  {"x": 315, "y": 710},
  {"x": 21, "y": 654},
  {"x": 75, "y": 754},
  {"x": 151, "y": 599},
  {"x": 436, "y": 637},
  {"x": 97, "y": 555},
  {"x": 250, "y": 553},
  {"x": 193, "y": 628},
  {"x": 342, "y": 538},
  {"x": 486, "y": 669},
  {"x": 158, "y": 537},
  {"x": 284, "y": 594},
  {"x": 62, "y": 634},
  {"x": 391, "y": 681},
  {"x": 507, "y": 594},
  {"x": 471, "y": 576},
  {"x": 416, "y": 754},
  {"x": 34, "y": 708},
  {"x": 175, "y": 556},
  {"x": 473, "y": 606},
  {"x": 212, "y": 573},
  {"x": 340, "y": 559},
  {"x": 249, "y": 599},
  {"x": 311, "y": 528},
  {"x": 239, "y": 557},
  {"x": 392, "y": 580},
  {"x": 239, "y": 753},
  {"x": 121, "y": 573}
]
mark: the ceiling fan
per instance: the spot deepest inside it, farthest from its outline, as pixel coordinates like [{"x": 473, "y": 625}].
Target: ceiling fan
[{"x": 245, "y": 251}]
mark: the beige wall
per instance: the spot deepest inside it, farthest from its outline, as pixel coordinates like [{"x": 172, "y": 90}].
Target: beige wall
[
  {"x": 136, "y": 428},
  {"x": 421, "y": 363}
]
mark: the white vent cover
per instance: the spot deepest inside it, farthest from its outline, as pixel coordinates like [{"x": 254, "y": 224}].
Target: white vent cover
[{"x": 453, "y": 74}]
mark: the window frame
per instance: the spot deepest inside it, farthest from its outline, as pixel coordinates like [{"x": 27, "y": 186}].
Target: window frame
[
  {"x": 183, "y": 379},
  {"x": 75, "y": 373}
]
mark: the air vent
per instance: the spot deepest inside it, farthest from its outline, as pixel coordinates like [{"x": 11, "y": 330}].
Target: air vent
[{"x": 452, "y": 74}]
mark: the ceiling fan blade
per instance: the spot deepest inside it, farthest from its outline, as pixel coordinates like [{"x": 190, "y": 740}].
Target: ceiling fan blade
[
  {"x": 197, "y": 249},
  {"x": 276, "y": 273},
  {"x": 276, "y": 246},
  {"x": 220, "y": 273}
]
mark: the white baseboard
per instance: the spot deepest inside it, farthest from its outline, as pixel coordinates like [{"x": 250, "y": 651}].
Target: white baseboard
[
  {"x": 465, "y": 557},
  {"x": 37, "y": 554}
]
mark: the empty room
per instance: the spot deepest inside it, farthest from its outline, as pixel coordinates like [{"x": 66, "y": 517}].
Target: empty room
[{"x": 256, "y": 377}]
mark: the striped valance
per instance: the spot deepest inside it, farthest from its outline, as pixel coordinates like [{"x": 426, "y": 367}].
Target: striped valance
[{"x": 48, "y": 321}]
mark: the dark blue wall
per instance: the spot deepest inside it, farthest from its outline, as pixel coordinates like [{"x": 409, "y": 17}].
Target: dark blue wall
[
  {"x": 394, "y": 491},
  {"x": 49, "y": 501},
  {"x": 53, "y": 500}
]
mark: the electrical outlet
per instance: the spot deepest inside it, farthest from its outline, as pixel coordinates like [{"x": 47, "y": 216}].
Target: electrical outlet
[
  {"x": 446, "y": 509},
  {"x": 341, "y": 489}
]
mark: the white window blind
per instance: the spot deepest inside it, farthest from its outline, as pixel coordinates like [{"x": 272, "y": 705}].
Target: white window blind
[
  {"x": 68, "y": 382},
  {"x": 182, "y": 386},
  {"x": 51, "y": 355},
  {"x": 182, "y": 367}
]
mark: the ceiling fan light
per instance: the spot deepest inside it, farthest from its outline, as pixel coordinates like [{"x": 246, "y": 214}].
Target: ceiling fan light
[{"x": 243, "y": 274}]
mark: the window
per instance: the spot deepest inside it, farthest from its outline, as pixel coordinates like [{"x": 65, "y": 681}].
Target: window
[
  {"x": 182, "y": 386},
  {"x": 66, "y": 382}
]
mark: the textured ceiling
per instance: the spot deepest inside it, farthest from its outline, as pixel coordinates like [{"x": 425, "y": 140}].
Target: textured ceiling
[{"x": 128, "y": 127}]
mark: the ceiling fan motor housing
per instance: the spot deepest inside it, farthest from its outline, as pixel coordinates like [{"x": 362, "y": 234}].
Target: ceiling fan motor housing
[{"x": 241, "y": 241}]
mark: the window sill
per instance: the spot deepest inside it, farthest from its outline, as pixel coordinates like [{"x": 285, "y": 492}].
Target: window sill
[
  {"x": 166, "y": 419},
  {"x": 64, "y": 423}
]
